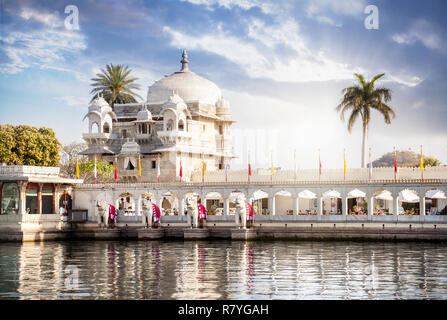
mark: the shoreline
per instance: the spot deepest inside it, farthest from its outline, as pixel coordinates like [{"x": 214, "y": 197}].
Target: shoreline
[{"x": 316, "y": 231}]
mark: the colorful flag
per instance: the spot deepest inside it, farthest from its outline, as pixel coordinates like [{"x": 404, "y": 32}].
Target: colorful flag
[
  {"x": 139, "y": 169},
  {"x": 180, "y": 173},
  {"x": 112, "y": 213},
  {"x": 227, "y": 168},
  {"x": 319, "y": 164},
  {"x": 77, "y": 169},
  {"x": 344, "y": 160},
  {"x": 370, "y": 166},
  {"x": 272, "y": 168},
  {"x": 158, "y": 170},
  {"x": 116, "y": 170},
  {"x": 422, "y": 166},
  {"x": 395, "y": 165},
  {"x": 203, "y": 169},
  {"x": 249, "y": 167}
]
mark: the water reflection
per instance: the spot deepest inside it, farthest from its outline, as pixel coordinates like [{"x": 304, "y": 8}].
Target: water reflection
[{"x": 224, "y": 270}]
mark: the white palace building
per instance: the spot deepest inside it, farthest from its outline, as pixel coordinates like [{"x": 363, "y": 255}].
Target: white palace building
[{"x": 186, "y": 120}]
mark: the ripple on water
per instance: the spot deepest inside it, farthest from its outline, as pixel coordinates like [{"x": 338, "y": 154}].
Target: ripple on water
[{"x": 223, "y": 270}]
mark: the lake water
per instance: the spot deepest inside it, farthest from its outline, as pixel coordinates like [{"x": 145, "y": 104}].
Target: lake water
[{"x": 223, "y": 270}]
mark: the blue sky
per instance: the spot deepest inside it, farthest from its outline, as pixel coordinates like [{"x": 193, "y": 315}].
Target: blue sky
[{"x": 281, "y": 64}]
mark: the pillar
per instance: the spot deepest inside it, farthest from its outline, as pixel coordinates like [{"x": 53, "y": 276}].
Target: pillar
[
  {"x": 1, "y": 197},
  {"x": 181, "y": 206},
  {"x": 137, "y": 204},
  {"x": 395, "y": 205},
  {"x": 296, "y": 204},
  {"x": 226, "y": 205},
  {"x": 319, "y": 205},
  {"x": 57, "y": 193},
  {"x": 344, "y": 206},
  {"x": 370, "y": 206},
  {"x": 22, "y": 197},
  {"x": 272, "y": 205},
  {"x": 422, "y": 205},
  {"x": 39, "y": 198}
]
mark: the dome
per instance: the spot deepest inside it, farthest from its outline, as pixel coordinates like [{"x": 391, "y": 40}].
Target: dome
[
  {"x": 144, "y": 115},
  {"x": 99, "y": 103},
  {"x": 185, "y": 83}
]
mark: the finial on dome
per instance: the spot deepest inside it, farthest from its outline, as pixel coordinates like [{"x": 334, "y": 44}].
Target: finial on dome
[{"x": 184, "y": 61}]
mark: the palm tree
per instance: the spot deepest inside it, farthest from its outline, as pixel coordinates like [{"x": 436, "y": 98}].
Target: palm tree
[
  {"x": 360, "y": 99},
  {"x": 116, "y": 85}
]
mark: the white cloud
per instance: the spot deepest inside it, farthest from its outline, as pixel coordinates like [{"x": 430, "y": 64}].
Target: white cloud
[
  {"x": 421, "y": 31},
  {"x": 51, "y": 20},
  {"x": 43, "y": 49},
  {"x": 343, "y": 7},
  {"x": 74, "y": 101},
  {"x": 258, "y": 58},
  {"x": 267, "y": 7}
]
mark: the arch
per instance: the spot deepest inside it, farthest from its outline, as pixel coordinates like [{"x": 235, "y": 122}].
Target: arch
[
  {"x": 408, "y": 202},
  {"x": 435, "y": 201},
  {"x": 106, "y": 128},
  {"x": 169, "y": 203},
  {"x": 357, "y": 202},
  {"x": 181, "y": 125},
  {"x": 307, "y": 202},
  {"x": 65, "y": 203},
  {"x": 126, "y": 204},
  {"x": 283, "y": 202},
  {"x": 10, "y": 198},
  {"x": 331, "y": 202},
  {"x": 94, "y": 128},
  {"x": 169, "y": 125},
  {"x": 147, "y": 195},
  {"x": 214, "y": 202},
  {"x": 383, "y": 202},
  {"x": 260, "y": 201}
]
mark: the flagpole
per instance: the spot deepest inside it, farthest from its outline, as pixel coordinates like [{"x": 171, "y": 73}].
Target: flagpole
[
  {"x": 319, "y": 166},
  {"x": 139, "y": 169},
  {"x": 203, "y": 170},
  {"x": 271, "y": 171},
  {"x": 158, "y": 170},
  {"x": 249, "y": 167},
  {"x": 422, "y": 166},
  {"x": 395, "y": 164},
  {"x": 344, "y": 164},
  {"x": 370, "y": 166},
  {"x": 294, "y": 163},
  {"x": 116, "y": 169}
]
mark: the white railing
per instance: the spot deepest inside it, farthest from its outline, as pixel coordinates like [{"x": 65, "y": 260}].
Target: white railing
[{"x": 19, "y": 170}]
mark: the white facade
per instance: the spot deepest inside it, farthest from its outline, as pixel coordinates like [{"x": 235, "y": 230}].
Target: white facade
[{"x": 184, "y": 120}]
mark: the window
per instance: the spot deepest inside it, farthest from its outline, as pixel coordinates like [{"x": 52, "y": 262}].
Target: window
[
  {"x": 124, "y": 134},
  {"x": 31, "y": 199},
  {"x": 154, "y": 164},
  {"x": 144, "y": 127},
  {"x": 47, "y": 199},
  {"x": 203, "y": 128},
  {"x": 10, "y": 198},
  {"x": 170, "y": 125},
  {"x": 181, "y": 125},
  {"x": 95, "y": 128},
  {"x": 220, "y": 129},
  {"x": 106, "y": 128}
]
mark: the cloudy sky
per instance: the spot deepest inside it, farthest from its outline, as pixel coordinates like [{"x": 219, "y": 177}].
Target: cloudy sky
[{"x": 281, "y": 64}]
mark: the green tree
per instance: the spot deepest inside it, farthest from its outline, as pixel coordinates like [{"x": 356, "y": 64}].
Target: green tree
[
  {"x": 104, "y": 171},
  {"x": 69, "y": 155},
  {"x": 116, "y": 85},
  {"x": 26, "y": 145},
  {"x": 360, "y": 99}
]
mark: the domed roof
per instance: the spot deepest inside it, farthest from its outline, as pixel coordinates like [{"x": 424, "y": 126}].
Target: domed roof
[
  {"x": 185, "y": 83},
  {"x": 144, "y": 115},
  {"x": 99, "y": 103}
]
